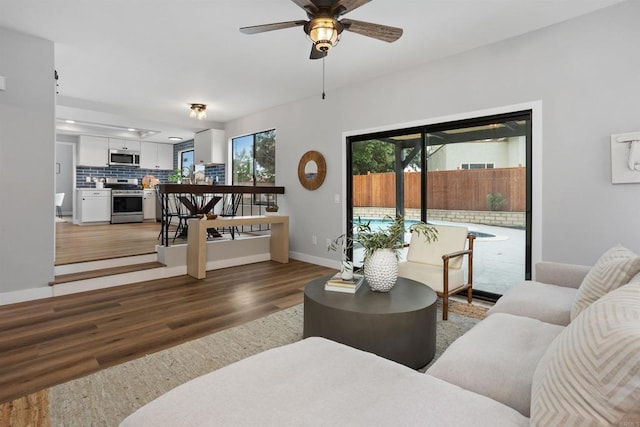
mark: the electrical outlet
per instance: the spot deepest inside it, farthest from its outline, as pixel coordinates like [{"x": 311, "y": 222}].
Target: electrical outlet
[{"x": 314, "y": 240}]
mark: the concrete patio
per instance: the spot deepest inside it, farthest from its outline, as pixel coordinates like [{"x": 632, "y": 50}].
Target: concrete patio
[{"x": 498, "y": 262}]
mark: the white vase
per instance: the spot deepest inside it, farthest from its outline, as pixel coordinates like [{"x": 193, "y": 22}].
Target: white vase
[
  {"x": 381, "y": 270},
  {"x": 347, "y": 270}
]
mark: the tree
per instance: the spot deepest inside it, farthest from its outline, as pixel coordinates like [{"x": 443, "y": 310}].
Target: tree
[
  {"x": 242, "y": 167},
  {"x": 373, "y": 156},
  {"x": 265, "y": 147}
]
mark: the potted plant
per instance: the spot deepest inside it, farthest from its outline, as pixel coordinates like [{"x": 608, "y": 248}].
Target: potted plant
[
  {"x": 176, "y": 176},
  {"x": 381, "y": 249}
]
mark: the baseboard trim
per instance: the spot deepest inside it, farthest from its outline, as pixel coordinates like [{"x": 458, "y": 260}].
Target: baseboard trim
[
  {"x": 233, "y": 262},
  {"x": 15, "y": 297},
  {"x": 330, "y": 263}
]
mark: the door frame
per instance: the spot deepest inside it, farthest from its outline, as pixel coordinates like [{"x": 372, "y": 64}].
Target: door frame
[{"x": 535, "y": 168}]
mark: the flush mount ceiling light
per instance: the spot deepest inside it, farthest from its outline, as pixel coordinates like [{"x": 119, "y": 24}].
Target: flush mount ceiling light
[
  {"x": 175, "y": 138},
  {"x": 198, "y": 111}
]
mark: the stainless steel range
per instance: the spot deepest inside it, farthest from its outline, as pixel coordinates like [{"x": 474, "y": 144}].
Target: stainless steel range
[{"x": 126, "y": 200}]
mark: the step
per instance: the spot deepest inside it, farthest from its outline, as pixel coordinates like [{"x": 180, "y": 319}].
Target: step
[
  {"x": 100, "y": 264},
  {"x": 93, "y": 274}
]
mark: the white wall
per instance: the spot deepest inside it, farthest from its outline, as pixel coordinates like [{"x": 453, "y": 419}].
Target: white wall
[
  {"x": 584, "y": 71},
  {"x": 27, "y": 149},
  {"x": 65, "y": 174}
]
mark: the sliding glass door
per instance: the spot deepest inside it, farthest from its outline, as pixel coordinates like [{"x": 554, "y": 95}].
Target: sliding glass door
[
  {"x": 475, "y": 173},
  {"x": 385, "y": 180}
]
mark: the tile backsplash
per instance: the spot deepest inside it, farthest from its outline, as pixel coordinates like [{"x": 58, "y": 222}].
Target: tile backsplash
[{"x": 82, "y": 172}]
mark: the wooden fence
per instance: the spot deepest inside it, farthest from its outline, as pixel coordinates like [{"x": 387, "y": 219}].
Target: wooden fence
[{"x": 451, "y": 190}]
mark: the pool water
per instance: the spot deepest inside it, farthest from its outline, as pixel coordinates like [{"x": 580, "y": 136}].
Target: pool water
[{"x": 382, "y": 224}]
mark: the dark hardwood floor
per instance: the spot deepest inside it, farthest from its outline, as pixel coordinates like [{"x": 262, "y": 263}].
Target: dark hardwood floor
[{"x": 50, "y": 341}]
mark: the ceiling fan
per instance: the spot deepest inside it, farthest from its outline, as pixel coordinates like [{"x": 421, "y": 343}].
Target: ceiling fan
[{"x": 324, "y": 28}]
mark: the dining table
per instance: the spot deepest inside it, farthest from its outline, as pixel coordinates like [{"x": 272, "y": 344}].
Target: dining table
[
  {"x": 198, "y": 205},
  {"x": 189, "y": 201}
]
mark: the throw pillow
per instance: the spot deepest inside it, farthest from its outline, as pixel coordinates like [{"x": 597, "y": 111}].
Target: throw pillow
[
  {"x": 590, "y": 374},
  {"x": 614, "y": 269}
]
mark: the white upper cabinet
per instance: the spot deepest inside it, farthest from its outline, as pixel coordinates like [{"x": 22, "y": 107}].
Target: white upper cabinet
[
  {"x": 93, "y": 151},
  {"x": 124, "y": 144},
  {"x": 165, "y": 156},
  {"x": 155, "y": 155},
  {"x": 210, "y": 147}
]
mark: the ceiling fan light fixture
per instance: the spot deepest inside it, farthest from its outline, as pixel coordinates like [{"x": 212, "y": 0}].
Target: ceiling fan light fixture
[
  {"x": 324, "y": 33},
  {"x": 198, "y": 111}
]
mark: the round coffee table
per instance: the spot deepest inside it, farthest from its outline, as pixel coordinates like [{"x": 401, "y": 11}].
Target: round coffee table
[{"x": 399, "y": 325}]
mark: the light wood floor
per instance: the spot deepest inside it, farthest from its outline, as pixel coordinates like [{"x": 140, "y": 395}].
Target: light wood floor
[
  {"x": 80, "y": 243},
  {"x": 50, "y": 341}
]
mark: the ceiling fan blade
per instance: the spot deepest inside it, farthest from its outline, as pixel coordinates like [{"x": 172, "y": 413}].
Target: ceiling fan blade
[
  {"x": 377, "y": 31},
  {"x": 316, "y": 54},
  {"x": 345, "y": 6},
  {"x": 270, "y": 27},
  {"x": 307, "y": 5}
]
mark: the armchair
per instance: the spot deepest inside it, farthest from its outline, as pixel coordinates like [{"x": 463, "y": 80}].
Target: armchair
[{"x": 439, "y": 264}]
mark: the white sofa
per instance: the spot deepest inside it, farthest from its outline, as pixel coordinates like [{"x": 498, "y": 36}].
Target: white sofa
[{"x": 535, "y": 360}]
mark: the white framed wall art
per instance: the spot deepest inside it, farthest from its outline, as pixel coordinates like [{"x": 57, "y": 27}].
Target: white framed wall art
[{"x": 625, "y": 158}]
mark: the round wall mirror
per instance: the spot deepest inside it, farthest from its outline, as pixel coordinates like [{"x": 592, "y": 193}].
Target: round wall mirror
[{"x": 312, "y": 170}]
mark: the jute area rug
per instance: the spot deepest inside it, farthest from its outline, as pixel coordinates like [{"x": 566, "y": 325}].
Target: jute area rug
[{"x": 105, "y": 398}]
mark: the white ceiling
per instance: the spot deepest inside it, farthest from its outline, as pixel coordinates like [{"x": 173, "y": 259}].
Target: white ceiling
[{"x": 139, "y": 63}]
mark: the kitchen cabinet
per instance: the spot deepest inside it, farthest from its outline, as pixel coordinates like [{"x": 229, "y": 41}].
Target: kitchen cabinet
[
  {"x": 124, "y": 144},
  {"x": 149, "y": 204},
  {"x": 210, "y": 147},
  {"x": 154, "y": 155},
  {"x": 93, "y": 151},
  {"x": 94, "y": 205}
]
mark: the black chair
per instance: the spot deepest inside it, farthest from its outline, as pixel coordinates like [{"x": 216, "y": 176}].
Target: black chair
[
  {"x": 182, "y": 203},
  {"x": 169, "y": 211},
  {"x": 230, "y": 209}
]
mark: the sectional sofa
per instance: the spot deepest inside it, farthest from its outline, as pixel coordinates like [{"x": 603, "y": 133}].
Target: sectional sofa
[{"x": 561, "y": 350}]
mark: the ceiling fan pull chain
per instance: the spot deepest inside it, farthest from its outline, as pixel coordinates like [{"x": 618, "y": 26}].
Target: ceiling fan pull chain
[{"x": 323, "y": 76}]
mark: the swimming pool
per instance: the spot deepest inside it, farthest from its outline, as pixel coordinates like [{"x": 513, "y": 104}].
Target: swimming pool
[{"x": 383, "y": 224}]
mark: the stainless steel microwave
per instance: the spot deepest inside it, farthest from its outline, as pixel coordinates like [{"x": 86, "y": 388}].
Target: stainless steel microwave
[{"x": 124, "y": 157}]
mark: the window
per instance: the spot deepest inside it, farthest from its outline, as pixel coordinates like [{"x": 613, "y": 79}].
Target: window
[
  {"x": 254, "y": 159},
  {"x": 186, "y": 161},
  {"x": 476, "y": 166}
]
